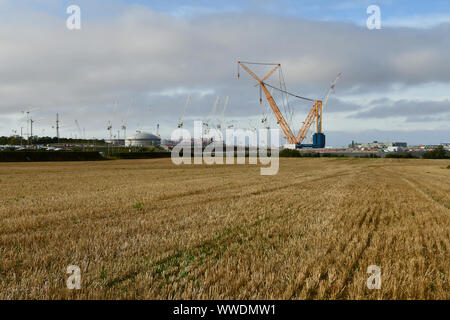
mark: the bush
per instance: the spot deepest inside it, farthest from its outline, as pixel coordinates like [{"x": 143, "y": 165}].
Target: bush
[
  {"x": 311, "y": 154},
  {"x": 332, "y": 155},
  {"x": 297, "y": 154},
  {"x": 290, "y": 153},
  {"x": 140, "y": 155},
  {"x": 400, "y": 155},
  {"x": 370, "y": 155},
  {"x": 438, "y": 153},
  {"x": 30, "y": 156}
]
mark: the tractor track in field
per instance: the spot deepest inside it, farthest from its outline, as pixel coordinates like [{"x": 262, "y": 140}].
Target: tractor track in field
[
  {"x": 429, "y": 195},
  {"x": 199, "y": 191},
  {"x": 258, "y": 192},
  {"x": 312, "y": 293},
  {"x": 355, "y": 265},
  {"x": 422, "y": 190},
  {"x": 207, "y": 248},
  {"x": 193, "y": 257},
  {"x": 323, "y": 275},
  {"x": 371, "y": 220}
]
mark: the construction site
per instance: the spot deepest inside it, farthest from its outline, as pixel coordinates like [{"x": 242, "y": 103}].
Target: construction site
[
  {"x": 226, "y": 154},
  {"x": 277, "y": 114}
]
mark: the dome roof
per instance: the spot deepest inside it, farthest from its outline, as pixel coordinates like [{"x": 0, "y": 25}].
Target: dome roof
[{"x": 140, "y": 135}]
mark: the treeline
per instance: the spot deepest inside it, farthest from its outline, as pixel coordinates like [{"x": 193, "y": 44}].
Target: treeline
[
  {"x": 290, "y": 153},
  {"x": 408, "y": 155},
  {"x": 16, "y": 140},
  {"x": 140, "y": 155},
  {"x": 30, "y": 156},
  {"x": 438, "y": 153}
]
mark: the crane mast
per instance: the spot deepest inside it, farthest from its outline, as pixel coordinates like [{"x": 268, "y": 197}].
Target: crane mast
[{"x": 314, "y": 114}]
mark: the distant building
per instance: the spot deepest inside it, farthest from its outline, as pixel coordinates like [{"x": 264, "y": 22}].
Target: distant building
[
  {"x": 117, "y": 142},
  {"x": 142, "y": 139},
  {"x": 399, "y": 144},
  {"x": 391, "y": 149},
  {"x": 381, "y": 145}
]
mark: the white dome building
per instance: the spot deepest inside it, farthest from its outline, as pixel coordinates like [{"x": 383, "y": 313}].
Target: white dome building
[{"x": 142, "y": 139}]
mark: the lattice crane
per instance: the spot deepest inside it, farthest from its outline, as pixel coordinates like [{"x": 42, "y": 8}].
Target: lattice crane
[{"x": 314, "y": 115}]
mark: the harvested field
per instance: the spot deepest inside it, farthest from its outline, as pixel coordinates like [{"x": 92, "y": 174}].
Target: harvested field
[{"x": 147, "y": 229}]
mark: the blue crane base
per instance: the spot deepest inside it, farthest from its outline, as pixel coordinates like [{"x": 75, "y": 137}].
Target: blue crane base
[{"x": 318, "y": 142}]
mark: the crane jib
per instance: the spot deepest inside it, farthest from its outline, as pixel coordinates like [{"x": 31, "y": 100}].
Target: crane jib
[{"x": 291, "y": 94}]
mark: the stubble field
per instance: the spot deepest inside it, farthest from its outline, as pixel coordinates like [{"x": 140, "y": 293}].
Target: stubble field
[{"x": 146, "y": 229}]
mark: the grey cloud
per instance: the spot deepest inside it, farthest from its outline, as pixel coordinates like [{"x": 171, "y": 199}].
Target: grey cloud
[
  {"x": 337, "y": 105},
  {"x": 406, "y": 108},
  {"x": 412, "y": 137},
  {"x": 444, "y": 118}
]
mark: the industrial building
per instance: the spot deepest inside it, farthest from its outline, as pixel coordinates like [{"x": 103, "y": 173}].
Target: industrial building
[
  {"x": 388, "y": 146},
  {"x": 142, "y": 139}
]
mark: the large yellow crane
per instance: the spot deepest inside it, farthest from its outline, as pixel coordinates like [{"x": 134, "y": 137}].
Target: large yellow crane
[{"x": 314, "y": 115}]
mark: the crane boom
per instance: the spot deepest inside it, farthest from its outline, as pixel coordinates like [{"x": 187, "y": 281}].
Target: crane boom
[
  {"x": 214, "y": 108},
  {"x": 211, "y": 115},
  {"x": 280, "y": 119},
  {"x": 333, "y": 84},
  {"x": 270, "y": 73}
]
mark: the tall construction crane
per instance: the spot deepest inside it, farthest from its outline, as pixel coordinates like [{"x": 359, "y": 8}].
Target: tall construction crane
[
  {"x": 333, "y": 84},
  {"x": 57, "y": 126},
  {"x": 222, "y": 119},
  {"x": 314, "y": 115},
  {"x": 109, "y": 128},
  {"x": 124, "y": 121},
  {"x": 79, "y": 129},
  {"x": 211, "y": 115},
  {"x": 180, "y": 121},
  {"x": 30, "y": 122}
]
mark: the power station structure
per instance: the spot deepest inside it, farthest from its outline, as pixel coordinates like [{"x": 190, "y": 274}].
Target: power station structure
[
  {"x": 142, "y": 139},
  {"x": 314, "y": 115}
]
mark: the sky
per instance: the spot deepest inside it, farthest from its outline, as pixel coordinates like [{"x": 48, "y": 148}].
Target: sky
[{"x": 135, "y": 63}]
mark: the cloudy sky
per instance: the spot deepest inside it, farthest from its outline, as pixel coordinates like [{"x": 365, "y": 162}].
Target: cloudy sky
[{"x": 148, "y": 56}]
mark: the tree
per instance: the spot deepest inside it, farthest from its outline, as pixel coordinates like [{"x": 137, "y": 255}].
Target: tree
[{"x": 438, "y": 153}]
